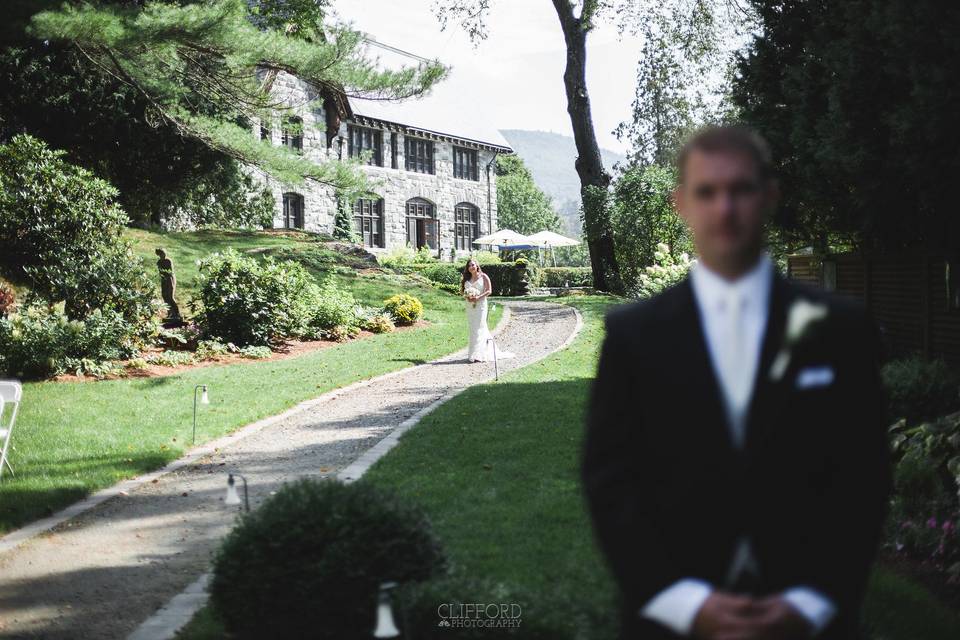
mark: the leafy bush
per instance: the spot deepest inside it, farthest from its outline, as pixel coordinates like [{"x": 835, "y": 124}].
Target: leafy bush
[
  {"x": 443, "y": 273},
  {"x": 403, "y": 308},
  {"x": 643, "y": 218},
  {"x": 424, "y": 255},
  {"x": 486, "y": 257},
  {"x": 309, "y": 562},
  {"x": 920, "y": 389},
  {"x": 449, "y": 288},
  {"x": 397, "y": 258},
  {"x": 378, "y": 323},
  {"x": 39, "y": 341},
  {"x": 60, "y": 227},
  {"x": 665, "y": 272},
  {"x": 170, "y": 358},
  {"x": 332, "y": 307},
  {"x": 7, "y": 298},
  {"x": 565, "y": 277},
  {"x": 255, "y": 353},
  {"x": 211, "y": 349},
  {"x": 925, "y": 512},
  {"x": 246, "y": 301}
]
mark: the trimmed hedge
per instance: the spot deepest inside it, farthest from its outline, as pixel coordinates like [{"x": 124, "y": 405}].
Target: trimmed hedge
[
  {"x": 511, "y": 278},
  {"x": 565, "y": 277},
  {"x": 309, "y": 562}
]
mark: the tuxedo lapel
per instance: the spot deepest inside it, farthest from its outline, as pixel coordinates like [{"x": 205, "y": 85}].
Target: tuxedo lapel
[
  {"x": 767, "y": 393},
  {"x": 698, "y": 371}
]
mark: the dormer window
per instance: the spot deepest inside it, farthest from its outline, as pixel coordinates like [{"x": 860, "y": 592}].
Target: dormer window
[
  {"x": 419, "y": 154},
  {"x": 465, "y": 164},
  {"x": 364, "y": 140},
  {"x": 293, "y": 134}
]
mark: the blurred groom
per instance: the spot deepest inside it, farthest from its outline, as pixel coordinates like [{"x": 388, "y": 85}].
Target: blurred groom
[{"x": 736, "y": 463}]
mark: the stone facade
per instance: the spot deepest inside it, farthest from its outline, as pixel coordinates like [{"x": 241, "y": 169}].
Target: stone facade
[{"x": 394, "y": 186}]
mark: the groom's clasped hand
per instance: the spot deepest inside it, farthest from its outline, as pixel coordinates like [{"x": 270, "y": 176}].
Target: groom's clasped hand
[{"x": 725, "y": 616}]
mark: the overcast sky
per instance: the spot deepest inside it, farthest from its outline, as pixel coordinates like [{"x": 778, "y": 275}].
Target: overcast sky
[{"x": 516, "y": 75}]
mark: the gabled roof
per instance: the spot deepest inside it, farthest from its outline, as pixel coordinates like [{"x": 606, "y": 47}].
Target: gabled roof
[{"x": 433, "y": 115}]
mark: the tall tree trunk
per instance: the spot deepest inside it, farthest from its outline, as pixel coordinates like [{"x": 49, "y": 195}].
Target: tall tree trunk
[{"x": 594, "y": 180}]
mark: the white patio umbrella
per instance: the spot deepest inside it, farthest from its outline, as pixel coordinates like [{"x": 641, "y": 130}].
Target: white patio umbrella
[
  {"x": 507, "y": 239},
  {"x": 550, "y": 240}
]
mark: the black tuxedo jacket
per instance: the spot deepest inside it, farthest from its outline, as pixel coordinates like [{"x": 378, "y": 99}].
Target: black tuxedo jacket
[{"x": 669, "y": 493}]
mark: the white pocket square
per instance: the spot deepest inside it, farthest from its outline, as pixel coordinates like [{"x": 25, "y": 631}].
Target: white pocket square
[{"x": 811, "y": 377}]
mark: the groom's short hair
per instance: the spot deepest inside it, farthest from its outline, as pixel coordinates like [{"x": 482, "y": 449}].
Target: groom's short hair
[{"x": 729, "y": 138}]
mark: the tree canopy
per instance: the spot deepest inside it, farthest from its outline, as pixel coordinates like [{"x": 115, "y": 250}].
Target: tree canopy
[
  {"x": 521, "y": 205},
  {"x": 200, "y": 69},
  {"x": 859, "y": 102}
]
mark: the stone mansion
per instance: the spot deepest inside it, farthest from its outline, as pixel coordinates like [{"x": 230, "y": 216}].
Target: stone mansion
[{"x": 433, "y": 184}]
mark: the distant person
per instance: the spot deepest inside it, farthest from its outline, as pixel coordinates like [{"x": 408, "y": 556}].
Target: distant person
[
  {"x": 736, "y": 463},
  {"x": 475, "y": 288}
]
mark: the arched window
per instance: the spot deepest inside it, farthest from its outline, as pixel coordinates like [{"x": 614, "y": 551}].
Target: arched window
[
  {"x": 421, "y": 224},
  {"x": 466, "y": 218},
  {"x": 292, "y": 211},
  {"x": 292, "y": 133},
  {"x": 368, "y": 220}
]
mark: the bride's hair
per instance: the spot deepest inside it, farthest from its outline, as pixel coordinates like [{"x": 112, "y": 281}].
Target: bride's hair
[{"x": 466, "y": 273}]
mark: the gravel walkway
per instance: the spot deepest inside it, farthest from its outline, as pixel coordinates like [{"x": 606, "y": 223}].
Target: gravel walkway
[{"x": 100, "y": 574}]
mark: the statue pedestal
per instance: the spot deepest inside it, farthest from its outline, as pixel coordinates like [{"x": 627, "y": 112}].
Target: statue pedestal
[{"x": 173, "y": 323}]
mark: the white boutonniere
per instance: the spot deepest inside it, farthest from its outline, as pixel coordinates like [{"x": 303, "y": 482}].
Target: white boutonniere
[{"x": 801, "y": 316}]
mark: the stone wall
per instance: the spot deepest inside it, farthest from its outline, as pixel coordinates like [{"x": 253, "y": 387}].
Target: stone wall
[{"x": 395, "y": 186}]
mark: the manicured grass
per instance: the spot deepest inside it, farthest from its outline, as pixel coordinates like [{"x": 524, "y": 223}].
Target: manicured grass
[
  {"x": 188, "y": 247},
  {"x": 74, "y": 438},
  {"x": 497, "y": 469}
]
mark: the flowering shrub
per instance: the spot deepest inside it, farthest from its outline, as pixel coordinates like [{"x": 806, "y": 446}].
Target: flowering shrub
[
  {"x": 925, "y": 511},
  {"x": 404, "y": 308},
  {"x": 665, "y": 272}
]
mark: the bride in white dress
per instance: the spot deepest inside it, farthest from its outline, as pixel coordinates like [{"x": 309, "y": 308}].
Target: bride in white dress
[{"x": 475, "y": 287}]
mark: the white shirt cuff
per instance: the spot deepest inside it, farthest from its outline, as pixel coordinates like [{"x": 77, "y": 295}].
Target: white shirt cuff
[
  {"x": 812, "y": 605},
  {"x": 676, "y": 606}
]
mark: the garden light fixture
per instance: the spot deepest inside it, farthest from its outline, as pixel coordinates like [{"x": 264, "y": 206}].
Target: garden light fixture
[
  {"x": 204, "y": 399},
  {"x": 233, "y": 498}
]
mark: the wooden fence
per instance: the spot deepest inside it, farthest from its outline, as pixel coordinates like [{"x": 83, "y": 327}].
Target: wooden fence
[{"x": 913, "y": 296}]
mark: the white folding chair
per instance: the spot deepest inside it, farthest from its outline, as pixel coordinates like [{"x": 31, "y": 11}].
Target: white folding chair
[{"x": 10, "y": 393}]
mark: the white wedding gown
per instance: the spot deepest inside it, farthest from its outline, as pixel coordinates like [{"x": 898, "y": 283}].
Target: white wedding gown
[{"x": 481, "y": 346}]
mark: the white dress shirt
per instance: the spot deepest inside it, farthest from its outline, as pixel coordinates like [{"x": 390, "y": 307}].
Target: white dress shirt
[{"x": 734, "y": 318}]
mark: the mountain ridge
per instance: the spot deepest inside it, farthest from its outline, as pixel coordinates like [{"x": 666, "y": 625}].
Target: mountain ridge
[{"x": 550, "y": 157}]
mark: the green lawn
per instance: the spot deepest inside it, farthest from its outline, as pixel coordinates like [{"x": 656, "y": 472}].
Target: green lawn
[
  {"x": 74, "y": 438},
  {"x": 502, "y": 489}
]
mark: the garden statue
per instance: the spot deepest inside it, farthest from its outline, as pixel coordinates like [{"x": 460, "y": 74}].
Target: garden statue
[{"x": 168, "y": 286}]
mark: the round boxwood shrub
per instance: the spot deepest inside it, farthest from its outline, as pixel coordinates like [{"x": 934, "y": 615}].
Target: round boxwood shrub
[
  {"x": 403, "y": 308},
  {"x": 309, "y": 562}
]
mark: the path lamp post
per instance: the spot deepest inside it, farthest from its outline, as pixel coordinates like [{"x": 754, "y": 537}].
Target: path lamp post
[
  {"x": 204, "y": 399},
  {"x": 385, "y": 627},
  {"x": 233, "y": 498}
]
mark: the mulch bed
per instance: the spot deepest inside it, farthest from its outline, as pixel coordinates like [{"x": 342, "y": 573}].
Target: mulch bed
[{"x": 291, "y": 349}]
